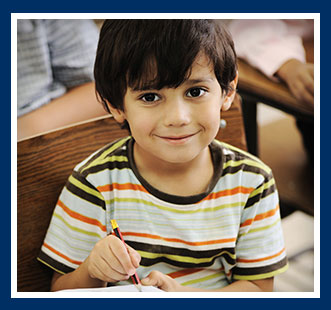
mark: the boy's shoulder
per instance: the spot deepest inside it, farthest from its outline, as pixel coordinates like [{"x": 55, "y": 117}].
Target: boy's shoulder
[
  {"x": 235, "y": 157},
  {"x": 114, "y": 152}
]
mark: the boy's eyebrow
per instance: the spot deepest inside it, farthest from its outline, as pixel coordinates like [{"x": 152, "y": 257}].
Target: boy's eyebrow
[
  {"x": 186, "y": 82},
  {"x": 197, "y": 81}
]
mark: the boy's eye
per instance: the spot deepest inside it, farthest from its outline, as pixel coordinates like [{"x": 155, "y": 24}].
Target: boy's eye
[
  {"x": 195, "y": 92},
  {"x": 150, "y": 97}
]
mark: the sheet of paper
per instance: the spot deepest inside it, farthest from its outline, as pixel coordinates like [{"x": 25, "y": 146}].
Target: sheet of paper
[{"x": 119, "y": 288}]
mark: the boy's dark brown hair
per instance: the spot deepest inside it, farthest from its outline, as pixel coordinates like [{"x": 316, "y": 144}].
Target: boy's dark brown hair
[{"x": 153, "y": 54}]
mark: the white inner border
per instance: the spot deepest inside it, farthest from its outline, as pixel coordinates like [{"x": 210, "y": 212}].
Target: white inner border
[{"x": 16, "y": 16}]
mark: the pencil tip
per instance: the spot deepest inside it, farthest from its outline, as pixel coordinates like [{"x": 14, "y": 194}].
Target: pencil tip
[{"x": 139, "y": 288}]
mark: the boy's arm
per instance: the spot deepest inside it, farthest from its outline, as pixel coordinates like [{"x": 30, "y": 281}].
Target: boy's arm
[
  {"x": 166, "y": 283},
  {"x": 109, "y": 261},
  {"x": 264, "y": 285},
  {"x": 77, "y": 279}
]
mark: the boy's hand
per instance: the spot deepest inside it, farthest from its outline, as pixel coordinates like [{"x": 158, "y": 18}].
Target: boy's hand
[
  {"x": 162, "y": 281},
  {"x": 112, "y": 261},
  {"x": 299, "y": 78}
]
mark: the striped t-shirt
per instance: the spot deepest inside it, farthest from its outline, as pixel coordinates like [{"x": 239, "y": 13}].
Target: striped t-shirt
[{"x": 230, "y": 232}]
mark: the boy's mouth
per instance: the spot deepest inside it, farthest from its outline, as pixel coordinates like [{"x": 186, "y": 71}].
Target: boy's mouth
[{"x": 177, "y": 139}]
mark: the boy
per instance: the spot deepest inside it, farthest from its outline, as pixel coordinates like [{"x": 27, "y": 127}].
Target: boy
[{"x": 196, "y": 214}]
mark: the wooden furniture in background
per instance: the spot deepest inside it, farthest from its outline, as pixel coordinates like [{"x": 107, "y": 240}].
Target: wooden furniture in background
[
  {"x": 254, "y": 87},
  {"x": 43, "y": 165}
]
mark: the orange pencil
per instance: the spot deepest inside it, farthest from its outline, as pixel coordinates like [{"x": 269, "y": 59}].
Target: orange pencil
[{"x": 116, "y": 229}]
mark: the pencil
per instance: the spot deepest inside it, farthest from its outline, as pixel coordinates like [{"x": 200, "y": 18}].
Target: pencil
[{"x": 134, "y": 277}]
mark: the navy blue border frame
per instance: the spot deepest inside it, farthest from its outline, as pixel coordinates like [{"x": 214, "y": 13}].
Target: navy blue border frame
[{"x": 130, "y": 6}]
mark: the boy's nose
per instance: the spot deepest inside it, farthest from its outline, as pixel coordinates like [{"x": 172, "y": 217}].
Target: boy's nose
[{"x": 177, "y": 114}]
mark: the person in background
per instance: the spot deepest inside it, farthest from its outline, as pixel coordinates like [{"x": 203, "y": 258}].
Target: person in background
[
  {"x": 275, "y": 47},
  {"x": 55, "y": 85}
]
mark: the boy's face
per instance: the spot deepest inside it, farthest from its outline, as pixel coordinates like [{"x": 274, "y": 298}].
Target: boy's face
[{"x": 176, "y": 125}]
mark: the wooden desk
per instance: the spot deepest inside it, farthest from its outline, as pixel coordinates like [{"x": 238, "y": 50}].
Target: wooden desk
[
  {"x": 254, "y": 87},
  {"x": 43, "y": 165}
]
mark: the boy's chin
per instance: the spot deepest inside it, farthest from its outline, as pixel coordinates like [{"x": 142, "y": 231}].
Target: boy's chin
[{"x": 179, "y": 158}]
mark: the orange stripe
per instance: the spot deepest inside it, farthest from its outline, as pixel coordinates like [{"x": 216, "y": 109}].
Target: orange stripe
[
  {"x": 60, "y": 254},
  {"x": 260, "y": 217},
  {"x": 80, "y": 217},
  {"x": 182, "y": 273},
  {"x": 118, "y": 186},
  {"x": 241, "y": 260},
  {"x": 230, "y": 192},
  {"x": 138, "y": 187},
  {"x": 128, "y": 233}
]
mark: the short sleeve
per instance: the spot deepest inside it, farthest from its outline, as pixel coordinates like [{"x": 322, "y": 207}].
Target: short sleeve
[
  {"x": 78, "y": 222},
  {"x": 260, "y": 250},
  {"x": 72, "y": 45}
]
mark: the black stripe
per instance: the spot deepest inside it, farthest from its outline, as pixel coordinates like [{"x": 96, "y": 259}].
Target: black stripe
[
  {"x": 260, "y": 270},
  {"x": 118, "y": 152},
  {"x": 161, "y": 249},
  {"x": 99, "y": 153},
  {"x": 55, "y": 264},
  {"x": 86, "y": 196},
  {"x": 217, "y": 158},
  {"x": 268, "y": 191},
  {"x": 82, "y": 180},
  {"x": 246, "y": 168},
  {"x": 96, "y": 155},
  {"x": 146, "y": 262},
  {"x": 108, "y": 165},
  {"x": 240, "y": 155}
]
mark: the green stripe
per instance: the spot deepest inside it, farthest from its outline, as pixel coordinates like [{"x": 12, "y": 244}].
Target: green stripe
[
  {"x": 184, "y": 259},
  {"x": 233, "y": 148},
  {"x": 262, "y": 188},
  {"x": 92, "y": 242},
  {"x": 67, "y": 243},
  {"x": 262, "y": 275},
  {"x": 204, "y": 228},
  {"x": 116, "y": 158},
  {"x": 247, "y": 162},
  {"x": 75, "y": 238},
  {"x": 57, "y": 270},
  {"x": 85, "y": 188},
  {"x": 102, "y": 156},
  {"x": 148, "y": 203},
  {"x": 76, "y": 229},
  {"x": 213, "y": 276},
  {"x": 113, "y": 159},
  {"x": 260, "y": 228}
]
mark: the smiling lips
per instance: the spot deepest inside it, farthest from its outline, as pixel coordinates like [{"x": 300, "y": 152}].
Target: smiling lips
[{"x": 177, "y": 139}]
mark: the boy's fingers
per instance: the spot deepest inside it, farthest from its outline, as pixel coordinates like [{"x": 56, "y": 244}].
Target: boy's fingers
[
  {"x": 101, "y": 269},
  {"x": 135, "y": 257},
  {"x": 153, "y": 279},
  {"x": 120, "y": 251},
  {"x": 113, "y": 262},
  {"x": 111, "y": 275}
]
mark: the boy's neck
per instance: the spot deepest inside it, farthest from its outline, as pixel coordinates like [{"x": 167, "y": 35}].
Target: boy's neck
[{"x": 181, "y": 179}]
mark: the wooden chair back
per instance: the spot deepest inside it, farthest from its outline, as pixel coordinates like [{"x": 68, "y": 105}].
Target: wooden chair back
[{"x": 45, "y": 162}]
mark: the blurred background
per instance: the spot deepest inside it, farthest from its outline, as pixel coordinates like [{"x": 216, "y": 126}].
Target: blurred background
[
  {"x": 270, "y": 110},
  {"x": 276, "y": 83},
  {"x": 280, "y": 146}
]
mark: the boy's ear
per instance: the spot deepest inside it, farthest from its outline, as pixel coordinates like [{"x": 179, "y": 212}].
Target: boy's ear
[
  {"x": 228, "y": 99},
  {"x": 117, "y": 113}
]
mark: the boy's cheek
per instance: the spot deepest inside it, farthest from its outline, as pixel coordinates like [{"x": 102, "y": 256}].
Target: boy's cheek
[{"x": 143, "y": 126}]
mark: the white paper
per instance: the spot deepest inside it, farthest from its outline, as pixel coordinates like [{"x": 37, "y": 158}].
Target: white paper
[{"x": 118, "y": 288}]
